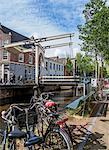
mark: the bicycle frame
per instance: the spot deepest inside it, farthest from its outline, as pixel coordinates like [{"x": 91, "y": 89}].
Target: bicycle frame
[{"x": 52, "y": 124}]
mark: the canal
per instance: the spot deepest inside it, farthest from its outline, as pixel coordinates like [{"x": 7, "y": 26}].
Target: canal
[{"x": 62, "y": 98}]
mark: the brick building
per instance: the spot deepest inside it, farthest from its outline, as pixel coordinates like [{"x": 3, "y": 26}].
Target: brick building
[{"x": 17, "y": 66}]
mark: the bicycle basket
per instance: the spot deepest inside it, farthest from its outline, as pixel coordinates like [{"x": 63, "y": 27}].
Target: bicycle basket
[
  {"x": 32, "y": 118},
  {"x": 1, "y": 137}
]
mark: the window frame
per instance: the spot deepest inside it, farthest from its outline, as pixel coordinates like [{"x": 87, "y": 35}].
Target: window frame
[
  {"x": 5, "y": 55},
  {"x": 59, "y": 67},
  {"x": 54, "y": 66},
  {"x": 21, "y": 55},
  {"x": 46, "y": 65},
  {"x": 50, "y": 65},
  {"x": 5, "y": 42},
  {"x": 30, "y": 59}
]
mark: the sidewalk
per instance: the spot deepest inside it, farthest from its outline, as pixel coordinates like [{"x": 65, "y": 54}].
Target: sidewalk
[
  {"x": 97, "y": 135},
  {"x": 99, "y": 139}
]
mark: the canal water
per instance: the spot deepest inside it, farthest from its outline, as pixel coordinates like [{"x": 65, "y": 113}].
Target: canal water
[{"x": 63, "y": 98}]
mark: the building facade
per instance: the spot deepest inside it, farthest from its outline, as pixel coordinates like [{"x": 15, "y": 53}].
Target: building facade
[
  {"x": 53, "y": 67},
  {"x": 17, "y": 66}
]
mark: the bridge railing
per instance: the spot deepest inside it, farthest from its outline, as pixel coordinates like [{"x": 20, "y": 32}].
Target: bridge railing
[{"x": 58, "y": 79}]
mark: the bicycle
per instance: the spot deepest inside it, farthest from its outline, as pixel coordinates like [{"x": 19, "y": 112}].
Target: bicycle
[
  {"x": 8, "y": 141},
  {"x": 47, "y": 141},
  {"x": 100, "y": 95},
  {"x": 46, "y": 106}
]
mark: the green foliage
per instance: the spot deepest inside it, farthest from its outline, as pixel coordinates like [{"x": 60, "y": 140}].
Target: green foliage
[
  {"x": 105, "y": 74},
  {"x": 95, "y": 32},
  {"x": 85, "y": 64},
  {"x": 70, "y": 112},
  {"x": 69, "y": 66}
]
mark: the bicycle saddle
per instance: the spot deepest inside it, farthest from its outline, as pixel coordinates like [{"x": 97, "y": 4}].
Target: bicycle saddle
[
  {"x": 16, "y": 133},
  {"x": 33, "y": 140},
  {"x": 49, "y": 104}
]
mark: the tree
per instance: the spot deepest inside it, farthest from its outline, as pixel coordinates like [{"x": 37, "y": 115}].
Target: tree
[
  {"x": 95, "y": 32},
  {"x": 105, "y": 74},
  {"x": 85, "y": 64},
  {"x": 69, "y": 67}
]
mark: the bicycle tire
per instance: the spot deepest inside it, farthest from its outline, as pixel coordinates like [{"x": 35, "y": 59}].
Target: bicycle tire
[
  {"x": 67, "y": 131},
  {"x": 58, "y": 134},
  {"x": 8, "y": 146},
  {"x": 12, "y": 146}
]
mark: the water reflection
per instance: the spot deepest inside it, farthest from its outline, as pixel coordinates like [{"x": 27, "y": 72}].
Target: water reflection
[{"x": 64, "y": 97}]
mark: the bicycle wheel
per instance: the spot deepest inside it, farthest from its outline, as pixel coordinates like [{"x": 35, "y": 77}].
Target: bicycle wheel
[
  {"x": 56, "y": 140},
  {"x": 9, "y": 145},
  {"x": 12, "y": 145},
  {"x": 100, "y": 97},
  {"x": 69, "y": 133}
]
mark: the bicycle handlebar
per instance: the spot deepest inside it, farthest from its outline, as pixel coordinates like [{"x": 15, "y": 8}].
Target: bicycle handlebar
[
  {"x": 46, "y": 94},
  {"x": 42, "y": 98},
  {"x": 5, "y": 115}
]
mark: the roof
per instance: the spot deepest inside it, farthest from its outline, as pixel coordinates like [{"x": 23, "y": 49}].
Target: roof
[{"x": 16, "y": 37}]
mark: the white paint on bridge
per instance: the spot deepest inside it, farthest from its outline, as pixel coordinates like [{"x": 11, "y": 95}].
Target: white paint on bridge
[{"x": 63, "y": 80}]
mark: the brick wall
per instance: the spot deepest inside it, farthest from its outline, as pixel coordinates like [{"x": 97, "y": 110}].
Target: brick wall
[{"x": 14, "y": 57}]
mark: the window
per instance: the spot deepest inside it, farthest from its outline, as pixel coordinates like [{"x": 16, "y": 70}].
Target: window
[
  {"x": 62, "y": 68},
  {"x": 6, "y": 42},
  {"x": 21, "y": 57},
  {"x": 50, "y": 65},
  {"x": 46, "y": 66},
  {"x": 5, "y": 54},
  {"x": 54, "y": 66},
  {"x": 29, "y": 73},
  {"x": 59, "y": 67},
  {"x": 30, "y": 59},
  {"x": 1, "y": 43}
]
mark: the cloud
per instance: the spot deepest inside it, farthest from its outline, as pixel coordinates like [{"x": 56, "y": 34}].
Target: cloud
[
  {"x": 63, "y": 52},
  {"x": 107, "y": 2},
  {"x": 40, "y": 16},
  {"x": 44, "y": 18},
  {"x": 66, "y": 50}
]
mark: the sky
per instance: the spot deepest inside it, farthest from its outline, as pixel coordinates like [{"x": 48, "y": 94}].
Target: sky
[{"x": 42, "y": 18}]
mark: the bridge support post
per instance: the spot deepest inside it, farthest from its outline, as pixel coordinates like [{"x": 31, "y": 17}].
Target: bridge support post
[
  {"x": 2, "y": 76},
  {"x": 36, "y": 64},
  {"x": 77, "y": 91},
  {"x": 84, "y": 90},
  {"x": 84, "y": 94}
]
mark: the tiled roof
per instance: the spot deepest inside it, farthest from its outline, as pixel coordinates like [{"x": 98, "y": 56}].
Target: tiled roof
[{"x": 15, "y": 36}]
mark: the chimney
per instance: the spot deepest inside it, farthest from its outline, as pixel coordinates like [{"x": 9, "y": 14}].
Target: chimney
[
  {"x": 10, "y": 33},
  {"x": 57, "y": 58}
]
